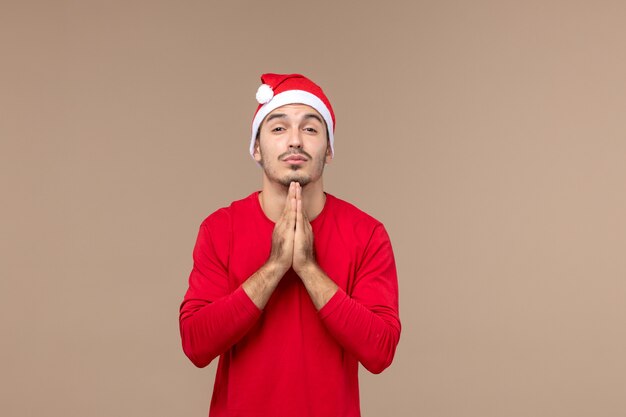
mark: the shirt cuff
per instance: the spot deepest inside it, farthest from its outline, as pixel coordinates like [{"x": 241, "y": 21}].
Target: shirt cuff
[
  {"x": 241, "y": 298},
  {"x": 337, "y": 298}
]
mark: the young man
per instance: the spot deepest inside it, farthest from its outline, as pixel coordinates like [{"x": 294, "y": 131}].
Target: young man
[{"x": 291, "y": 287}]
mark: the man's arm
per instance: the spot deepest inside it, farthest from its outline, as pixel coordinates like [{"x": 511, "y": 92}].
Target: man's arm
[
  {"x": 318, "y": 285},
  {"x": 367, "y": 323},
  {"x": 212, "y": 319}
]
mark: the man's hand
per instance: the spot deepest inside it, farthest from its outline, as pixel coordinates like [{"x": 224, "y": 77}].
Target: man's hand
[
  {"x": 303, "y": 250},
  {"x": 263, "y": 282},
  {"x": 319, "y": 286},
  {"x": 284, "y": 231},
  {"x": 292, "y": 247}
]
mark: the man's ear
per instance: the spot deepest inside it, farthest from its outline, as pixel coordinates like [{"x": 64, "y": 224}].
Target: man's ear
[
  {"x": 257, "y": 150},
  {"x": 329, "y": 156}
]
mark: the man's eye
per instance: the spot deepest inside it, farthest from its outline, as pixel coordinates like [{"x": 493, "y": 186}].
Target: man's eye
[
  {"x": 310, "y": 129},
  {"x": 278, "y": 129}
]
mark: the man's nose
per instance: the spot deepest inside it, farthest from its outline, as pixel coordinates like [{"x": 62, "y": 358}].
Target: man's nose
[{"x": 295, "y": 139}]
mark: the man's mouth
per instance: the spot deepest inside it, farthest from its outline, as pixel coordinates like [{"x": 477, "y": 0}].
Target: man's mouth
[{"x": 295, "y": 158}]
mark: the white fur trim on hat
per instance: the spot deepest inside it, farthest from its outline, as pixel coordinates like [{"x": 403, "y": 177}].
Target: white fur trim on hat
[{"x": 292, "y": 97}]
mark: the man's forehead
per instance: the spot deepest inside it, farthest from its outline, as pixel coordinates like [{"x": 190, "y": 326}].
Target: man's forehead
[{"x": 303, "y": 109}]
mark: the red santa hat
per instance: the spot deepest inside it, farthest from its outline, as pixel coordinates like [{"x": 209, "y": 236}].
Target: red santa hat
[{"x": 280, "y": 89}]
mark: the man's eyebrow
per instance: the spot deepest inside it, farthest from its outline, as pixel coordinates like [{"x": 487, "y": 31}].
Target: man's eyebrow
[
  {"x": 313, "y": 116},
  {"x": 283, "y": 115},
  {"x": 275, "y": 116}
]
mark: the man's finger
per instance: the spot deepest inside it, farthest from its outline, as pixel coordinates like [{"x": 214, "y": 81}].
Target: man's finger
[
  {"x": 292, "y": 206},
  {"x": 289, "y": 197},
  {"x": 305, "y": 218},
  {"x": 299, "y": 223},
  {"x": 288, "y": 201}
]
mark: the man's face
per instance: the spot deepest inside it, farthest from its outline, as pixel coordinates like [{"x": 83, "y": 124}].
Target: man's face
[{"x": 293, "y": 145}]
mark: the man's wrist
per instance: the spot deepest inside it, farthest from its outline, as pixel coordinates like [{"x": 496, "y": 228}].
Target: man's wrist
[
  {"x": 320, "y": 286},
  {"x": 309, "y": 270},
  {"x": 275, "y": 269},
  {"x": 262, "y": 283}
]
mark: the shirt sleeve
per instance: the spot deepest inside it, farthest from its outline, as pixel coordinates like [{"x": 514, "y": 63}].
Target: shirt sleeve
[
  {"x": 366, "y": 322},
  {"x": 212, "y": 317}
]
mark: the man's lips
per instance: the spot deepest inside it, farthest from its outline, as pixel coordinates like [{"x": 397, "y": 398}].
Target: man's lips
[{"x": 295, "y": 158}]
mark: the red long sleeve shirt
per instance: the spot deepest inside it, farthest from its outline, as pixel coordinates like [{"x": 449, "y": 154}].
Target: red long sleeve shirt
[{"x": 290, "y": 359}]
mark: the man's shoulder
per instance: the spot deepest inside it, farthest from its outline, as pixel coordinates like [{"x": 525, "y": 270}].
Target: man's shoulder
[
  {"x": 355, "y": 225},
  {"x": 349, "y": 212},
  {"x": 224, "y": 215}
]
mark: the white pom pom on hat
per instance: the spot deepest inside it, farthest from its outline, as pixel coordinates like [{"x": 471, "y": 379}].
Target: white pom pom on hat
[
  {"x": 264, "y": 93},
  {"x": 278, "y": 90}
]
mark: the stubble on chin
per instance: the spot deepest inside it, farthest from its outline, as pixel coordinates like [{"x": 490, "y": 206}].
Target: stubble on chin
[
  {"x": 296, "y": 173},
  {"x": 300, "y": 180},
  {"x": 286, "y": 180}
]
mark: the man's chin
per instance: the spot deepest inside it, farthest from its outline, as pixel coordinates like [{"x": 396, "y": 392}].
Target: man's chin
[{"x": 302, "y": 180}]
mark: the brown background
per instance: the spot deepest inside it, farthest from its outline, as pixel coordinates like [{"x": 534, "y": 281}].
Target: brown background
[{"x": 489, "y": 137}]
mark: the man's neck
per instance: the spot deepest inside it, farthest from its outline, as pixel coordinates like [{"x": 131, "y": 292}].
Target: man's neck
[{"x": 273, "y": 196}]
